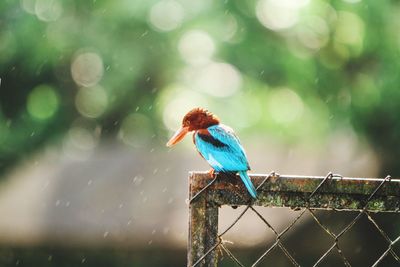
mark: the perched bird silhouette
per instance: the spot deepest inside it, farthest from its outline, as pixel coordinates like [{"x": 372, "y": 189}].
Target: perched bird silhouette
[{"x": 216, "y": 143}]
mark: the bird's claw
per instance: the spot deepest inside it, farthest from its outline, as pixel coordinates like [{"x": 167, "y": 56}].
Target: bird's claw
[{"x": 212, "y": 173}]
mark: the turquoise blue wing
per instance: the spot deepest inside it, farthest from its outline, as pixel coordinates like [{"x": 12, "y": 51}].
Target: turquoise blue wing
[{"x": 221, "y": 148}]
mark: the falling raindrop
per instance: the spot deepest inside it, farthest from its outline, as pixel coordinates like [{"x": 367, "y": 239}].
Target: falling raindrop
[
  {"x": 45, "y": 185},
  {"x": 137, "y": 180},
  {"x": 90, "y": 182},
  {"x": 144, "y": 33},
  {"x": 105, "y": 234}
]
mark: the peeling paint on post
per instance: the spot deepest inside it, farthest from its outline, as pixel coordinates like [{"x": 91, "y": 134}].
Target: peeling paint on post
[{"x": 203, "y": 226}]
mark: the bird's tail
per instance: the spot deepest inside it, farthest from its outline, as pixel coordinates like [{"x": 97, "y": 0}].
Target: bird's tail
[{"x": 247, "y": 182}]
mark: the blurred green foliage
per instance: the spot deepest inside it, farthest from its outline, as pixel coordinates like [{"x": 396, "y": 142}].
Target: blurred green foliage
[{"x": 121, "y": 68}]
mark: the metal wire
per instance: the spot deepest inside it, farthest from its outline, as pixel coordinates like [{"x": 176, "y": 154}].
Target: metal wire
[{"x": 278, "y": 244}]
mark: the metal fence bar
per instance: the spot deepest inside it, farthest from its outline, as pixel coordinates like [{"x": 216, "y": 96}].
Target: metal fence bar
[{"x": 339, "y": 193}]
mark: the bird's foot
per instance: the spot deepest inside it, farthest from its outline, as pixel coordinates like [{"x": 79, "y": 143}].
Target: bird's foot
[{"x": 211, "y": 172}]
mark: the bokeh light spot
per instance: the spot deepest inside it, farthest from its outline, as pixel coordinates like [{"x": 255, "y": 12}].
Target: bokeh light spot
[
  {"x": 227, "y": 28},
  {"x": 136, "y": 130},
  {"x": 166, "y": 15},
  {"x": 91, "y": 102},
  {"x": 48, "y": 10},
  {"x": 196, "y": 47},
  {"x": 366, "y": 93},
  {"x": 43, "y": 102},
  {"x": 82, "y": 138},
  {"x": 349, "y": 29},
  {"x": 178, "y": 102},
  {"x": 218, "y": 79},
  {"x": 28, "y": 6},
  {"x": 284, "y": 106},
  {"x": 279, "y": 15},
  {"x": 80, "y": 142},
  {"x": 352, "y": 1},
  {"x": 87, "y": 69},
  {"x": 314, "y": 34}
]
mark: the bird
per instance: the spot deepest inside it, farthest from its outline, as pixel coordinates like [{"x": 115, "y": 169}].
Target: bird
[{"x": 216, "y": 143}]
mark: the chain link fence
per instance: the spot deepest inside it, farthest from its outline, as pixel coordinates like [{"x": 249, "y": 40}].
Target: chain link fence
[{"x": 363, "y": 197}]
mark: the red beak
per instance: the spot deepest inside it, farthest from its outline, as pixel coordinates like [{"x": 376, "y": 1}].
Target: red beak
[{"x": 178, "y": 136}]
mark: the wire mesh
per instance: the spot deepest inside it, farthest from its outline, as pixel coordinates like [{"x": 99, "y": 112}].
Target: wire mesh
[{"x": 374, "y": 201}]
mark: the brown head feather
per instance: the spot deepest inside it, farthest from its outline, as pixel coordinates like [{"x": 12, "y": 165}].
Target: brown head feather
[{"x": 199, "y": 118}]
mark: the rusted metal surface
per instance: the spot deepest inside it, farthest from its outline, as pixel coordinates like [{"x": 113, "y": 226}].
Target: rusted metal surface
[
  {"x": 364, "y": 195},
  {"x": 203, "y": 229},
  {"x": 340, "y": 193}
]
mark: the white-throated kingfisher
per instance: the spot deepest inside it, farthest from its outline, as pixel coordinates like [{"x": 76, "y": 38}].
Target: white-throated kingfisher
[{"x": 216, "y": 143}]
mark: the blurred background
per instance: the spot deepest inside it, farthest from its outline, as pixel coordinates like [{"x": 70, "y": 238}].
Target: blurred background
[{"x": 91, "y": 91}]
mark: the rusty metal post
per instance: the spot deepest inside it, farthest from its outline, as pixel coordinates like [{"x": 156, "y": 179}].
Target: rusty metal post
[{"x": 203, "y": 226}]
